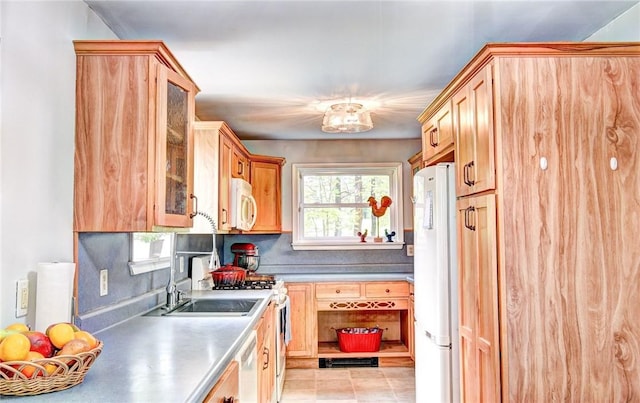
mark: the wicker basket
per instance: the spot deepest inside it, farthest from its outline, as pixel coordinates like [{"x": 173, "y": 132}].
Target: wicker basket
[
  {"x": 65, "y": 371},
  {"x": 359, "y": 339}
]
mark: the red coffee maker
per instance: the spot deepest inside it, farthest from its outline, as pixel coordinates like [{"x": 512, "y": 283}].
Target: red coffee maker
[{"x": 246, "y": 256}]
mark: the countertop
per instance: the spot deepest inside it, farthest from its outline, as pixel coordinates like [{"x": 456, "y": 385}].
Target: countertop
[
  {"x": 162, "y": 359},
  {"x": 338, "y": 277},
  {"x": 175, "y": 359}
]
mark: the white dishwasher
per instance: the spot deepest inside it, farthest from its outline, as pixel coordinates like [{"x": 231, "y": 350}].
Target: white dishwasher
[{"x": 247, "y": 358}]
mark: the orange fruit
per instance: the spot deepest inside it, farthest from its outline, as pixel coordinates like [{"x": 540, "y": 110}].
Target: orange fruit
[
  {"x": 60, "y": 334},
  {"x": 28, "y": 370},
  {"x": 18, "y": 327},
  {"x": 86, "y": 336},
  {"x": 14, "y": 347}
]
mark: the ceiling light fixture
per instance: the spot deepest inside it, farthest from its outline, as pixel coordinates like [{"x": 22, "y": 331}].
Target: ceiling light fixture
[{"x": 346, "y": 118}]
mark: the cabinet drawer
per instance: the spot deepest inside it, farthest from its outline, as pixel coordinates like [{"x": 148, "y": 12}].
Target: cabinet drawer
[
  {"x": 381, "y": 289},
  {"x": 337, "y": 290}
]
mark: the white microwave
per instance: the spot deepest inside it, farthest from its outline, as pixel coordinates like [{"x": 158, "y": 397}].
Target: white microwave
[{"x": 244, "y": 209}]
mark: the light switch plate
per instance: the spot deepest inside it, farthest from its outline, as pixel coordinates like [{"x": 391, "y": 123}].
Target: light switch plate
[
  {"x": 22, "y": 297},
  {"x": 104, "y": 282}
]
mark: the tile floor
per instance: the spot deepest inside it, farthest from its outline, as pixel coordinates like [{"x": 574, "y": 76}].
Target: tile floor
[{"x": 349, "y": 385}]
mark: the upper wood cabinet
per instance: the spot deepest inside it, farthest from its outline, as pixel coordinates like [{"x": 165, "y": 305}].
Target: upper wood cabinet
[
  {"x": 438, "y": 135},
  {"x": 416, "y": 162},
  {"x": 544, "y": 250},
  {"x": 224, "y": 175},
  {"x": 133, "y": 145},
  {"x": 266, "y": 186},
  {"x": 206, "y": 156},
  {"x": 220, "y": 156},
  {"x": 473, "y": 124}
]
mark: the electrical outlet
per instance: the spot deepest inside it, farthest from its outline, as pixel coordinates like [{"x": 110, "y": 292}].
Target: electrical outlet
[
  {"x": 409, "y": 250},
  {"x": 104, "y": 282},
  {"x": 22, "y": 297}
]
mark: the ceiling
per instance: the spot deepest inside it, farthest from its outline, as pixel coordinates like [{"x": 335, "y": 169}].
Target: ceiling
[{"x": 271, "y": 68}]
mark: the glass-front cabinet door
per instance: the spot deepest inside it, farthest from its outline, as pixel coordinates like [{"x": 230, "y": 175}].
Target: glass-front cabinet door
[{"x": 174, "y": 163}]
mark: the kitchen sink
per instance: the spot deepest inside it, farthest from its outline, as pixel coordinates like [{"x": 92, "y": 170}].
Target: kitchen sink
[{"x": 211, "y": 307}]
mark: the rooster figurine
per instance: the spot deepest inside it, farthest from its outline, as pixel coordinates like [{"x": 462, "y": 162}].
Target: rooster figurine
[{"x": 384, "y": 203}]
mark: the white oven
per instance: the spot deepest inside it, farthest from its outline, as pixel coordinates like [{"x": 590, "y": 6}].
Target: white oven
[{"x": 282, "y": 327}]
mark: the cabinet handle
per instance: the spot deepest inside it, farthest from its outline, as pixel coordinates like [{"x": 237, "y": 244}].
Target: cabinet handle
[
  {"x": 195, "y": 206},
  {"x": 240, "y": 168},
  {"x": 467, "y": 218},
  {"x": 337, "y": 291},
  {"x": 265, "y": 354},
  {"x": 224, "y": 215},
  {"x": 387, "y": 291},
  {"x": 432, "y": 137},
  {"x": 467, "y": 176},
  {"x": 228, "y": 400}
]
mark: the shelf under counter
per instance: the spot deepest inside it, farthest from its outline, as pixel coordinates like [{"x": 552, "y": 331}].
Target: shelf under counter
[{"x": 388, "y": 348}]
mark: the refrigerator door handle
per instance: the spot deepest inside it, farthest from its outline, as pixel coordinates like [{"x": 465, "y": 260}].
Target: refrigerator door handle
[{"x": 428, "y": 210}]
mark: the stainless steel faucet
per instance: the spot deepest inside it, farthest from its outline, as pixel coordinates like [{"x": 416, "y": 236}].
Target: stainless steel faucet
[{"x": 173, "y": 294}]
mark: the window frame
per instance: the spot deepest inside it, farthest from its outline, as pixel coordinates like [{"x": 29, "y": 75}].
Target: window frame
[{"x": 393, "y": 169}]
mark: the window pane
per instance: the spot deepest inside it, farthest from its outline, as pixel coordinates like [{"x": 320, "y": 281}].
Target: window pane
[
  {"x": 342, "y": 222},
  {"x": 325, "y": 189}
]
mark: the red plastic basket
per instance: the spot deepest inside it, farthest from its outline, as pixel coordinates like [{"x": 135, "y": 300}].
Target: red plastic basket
[{"x": 359, "y": 339}]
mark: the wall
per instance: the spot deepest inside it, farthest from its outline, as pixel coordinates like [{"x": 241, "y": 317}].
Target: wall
[
  {"x": 37, "y": 137},
  {"x": 625, "y": 28},
  {"x": 339, "y": 151}
]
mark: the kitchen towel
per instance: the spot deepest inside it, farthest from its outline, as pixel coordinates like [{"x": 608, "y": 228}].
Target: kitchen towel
[
  {"x": 286, "y": 320},
  {"x": 54, "y": 293}
]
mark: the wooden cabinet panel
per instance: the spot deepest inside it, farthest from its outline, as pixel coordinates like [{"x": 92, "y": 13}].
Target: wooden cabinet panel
[
  {"x": 135, "y": 172},
  {"x": 552, "y": 132},
  {"x": 438, "y": 136},
  {"x": 206, "y": 156},
  {"x": 477, "y": 298},
  {"x": 266, "y": 186},
  {"x": 224, "y": 184},
  {"x": 569, "y": 259},
  {"x": 266, "y": 355},
  {"x": 227, "y": 386},
  {"x": 412, "y": 322},
  {"x": 473, "y": 120},
  {"x": 240, "y": 164},
  {"x": 337, "y": 290},
  {"x": 304, "y": 339},
  {"x": 387, "y": 289}
]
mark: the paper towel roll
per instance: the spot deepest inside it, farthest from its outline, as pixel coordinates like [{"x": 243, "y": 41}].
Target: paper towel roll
[{"x": 54, "y": 293}]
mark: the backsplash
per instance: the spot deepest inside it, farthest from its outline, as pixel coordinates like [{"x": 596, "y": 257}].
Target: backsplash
[{"x": 130, "y": 295}]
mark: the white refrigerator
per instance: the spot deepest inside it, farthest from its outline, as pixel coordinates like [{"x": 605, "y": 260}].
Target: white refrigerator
[{"x": 435, "y": 274}]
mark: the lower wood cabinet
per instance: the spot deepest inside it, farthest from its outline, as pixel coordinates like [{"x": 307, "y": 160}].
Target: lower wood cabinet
[
  {"x": 382, "y": 304},
  {"x": 266, "y": 355},
  {"x": 318, "y": 309},
  {"x": 227, "y": 389},
  {"x": 303, "y": 342},
  {"x": 411, "y": 324}
]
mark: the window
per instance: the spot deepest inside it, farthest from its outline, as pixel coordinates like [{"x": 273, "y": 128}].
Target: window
[
  {"x": 150, "y": 251},
  {"x": 331, "y": 203}
]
